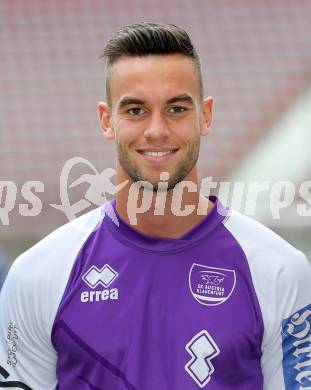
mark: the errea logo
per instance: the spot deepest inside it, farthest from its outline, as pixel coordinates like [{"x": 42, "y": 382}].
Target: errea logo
[
  {"x": 95, "y": 277},
  {"x": 105, "y": 276}
]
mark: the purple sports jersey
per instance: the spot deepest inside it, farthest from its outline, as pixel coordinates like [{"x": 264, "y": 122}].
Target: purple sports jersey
[
  {"x": 135, "y": 312},
  {"x": 130, "y": 311}
]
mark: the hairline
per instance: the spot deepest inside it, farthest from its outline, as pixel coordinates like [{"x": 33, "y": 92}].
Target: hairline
[{"x": 111, "y": 62}]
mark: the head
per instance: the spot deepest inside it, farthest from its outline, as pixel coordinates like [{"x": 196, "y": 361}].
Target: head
[
  {"x": 155, "y": 109},
  {"x": 143, "y": 39}
]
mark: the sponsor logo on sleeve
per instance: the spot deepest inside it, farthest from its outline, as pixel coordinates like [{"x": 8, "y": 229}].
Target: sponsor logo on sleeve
[
  {"x": 296, "y": 346},
  {"x": 211, "y": 286},
  {"x": 103, "y": 277}
]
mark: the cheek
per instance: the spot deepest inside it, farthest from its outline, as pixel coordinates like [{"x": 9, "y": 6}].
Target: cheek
[
  {"x": 189, "y": 127},
  {"x": 128, "y": 132},
  {"x": 189, "y": 132}
]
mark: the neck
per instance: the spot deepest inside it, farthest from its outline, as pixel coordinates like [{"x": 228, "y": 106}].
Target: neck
[{"x": 162, "y": 214}]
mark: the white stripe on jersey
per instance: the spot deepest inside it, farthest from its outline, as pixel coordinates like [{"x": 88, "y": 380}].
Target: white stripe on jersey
[
  {"x": 46, "y": 266},
  {"x": 282, "y": 280}
]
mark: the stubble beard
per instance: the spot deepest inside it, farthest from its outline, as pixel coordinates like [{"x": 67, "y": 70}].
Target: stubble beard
[{"x": 181, "y": 171}]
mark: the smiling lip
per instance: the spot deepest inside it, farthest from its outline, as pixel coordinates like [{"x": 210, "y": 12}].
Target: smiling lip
[{"x": 157, "y": 155}]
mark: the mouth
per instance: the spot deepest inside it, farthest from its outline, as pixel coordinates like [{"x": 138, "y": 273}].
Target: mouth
[{"x": 153, "y": 155}]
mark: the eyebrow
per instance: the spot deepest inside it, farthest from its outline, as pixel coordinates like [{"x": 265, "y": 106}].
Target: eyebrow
[
  {"x": 128, "y": 100},
  {"x": 184, "y": 97}
]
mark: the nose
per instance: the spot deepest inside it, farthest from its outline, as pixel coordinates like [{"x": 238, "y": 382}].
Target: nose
[{"x": 157, "y": 127}]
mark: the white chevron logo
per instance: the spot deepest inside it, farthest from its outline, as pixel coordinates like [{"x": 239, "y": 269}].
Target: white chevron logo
[{"x": 104, "y": 276}]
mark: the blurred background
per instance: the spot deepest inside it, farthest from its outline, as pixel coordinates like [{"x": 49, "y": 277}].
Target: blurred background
[{"x": 256, "y": 63}]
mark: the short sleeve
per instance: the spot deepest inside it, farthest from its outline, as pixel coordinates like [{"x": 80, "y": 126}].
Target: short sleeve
[
  {"x": 27, "y": 358},
  {"x": 287, "y": 343},
  {"x": 29, "y": 301},
  {"x": 281, "y": 277}
]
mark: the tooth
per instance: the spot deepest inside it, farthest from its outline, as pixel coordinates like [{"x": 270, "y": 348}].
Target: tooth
[{"x": 157, "y": 154}]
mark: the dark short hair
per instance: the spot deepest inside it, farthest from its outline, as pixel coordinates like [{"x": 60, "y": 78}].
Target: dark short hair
[{"x": 142, "y": 39}]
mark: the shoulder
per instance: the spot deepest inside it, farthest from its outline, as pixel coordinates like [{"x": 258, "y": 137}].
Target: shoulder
[
  {"x": 281, "y": 274},
  {"x": 57, "y": 248},
  {"x": 258, "y": 241}
]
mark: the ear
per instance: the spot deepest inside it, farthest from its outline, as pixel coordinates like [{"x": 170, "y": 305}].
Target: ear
[
  {"x": 105, "y": 120},
  {"x": 207, "y": 109}
]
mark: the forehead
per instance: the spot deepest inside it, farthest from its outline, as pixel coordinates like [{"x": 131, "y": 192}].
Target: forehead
[{"x": 154, "y": 77}]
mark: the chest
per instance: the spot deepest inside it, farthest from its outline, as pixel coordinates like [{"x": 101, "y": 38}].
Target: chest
[{"x": 167, "y": 320}]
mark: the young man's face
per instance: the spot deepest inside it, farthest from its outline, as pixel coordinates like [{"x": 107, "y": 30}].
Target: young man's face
[{"x": 156, "y": 117}]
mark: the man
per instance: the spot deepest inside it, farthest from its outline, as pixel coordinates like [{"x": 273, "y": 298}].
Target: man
[{"x": 187, "y": 294}]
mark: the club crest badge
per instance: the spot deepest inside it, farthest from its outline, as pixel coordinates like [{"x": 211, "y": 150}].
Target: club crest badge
[{"x": 211, "y": 286}]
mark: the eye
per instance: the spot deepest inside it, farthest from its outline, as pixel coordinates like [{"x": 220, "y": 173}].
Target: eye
[
  {"x": 135, "y": 111},
  {"x": 177, "y": 109}
]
